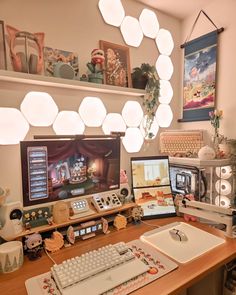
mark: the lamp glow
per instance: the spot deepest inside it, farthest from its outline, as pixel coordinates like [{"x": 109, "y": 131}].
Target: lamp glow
[
  {"x": 92, "y": 111},
  {"x": 164, "y": 42},
  {"x": 14, "y": 126},
  {"x": 166, "y": 92},
  {"x": 164, "y": 67},
  {"x": 132, "y": 113},
  {"x": 149, "y": 23},
  {"x": 112, "y": 11},
  {"x": 131, "y": 31},
  {"x": 39, "y": 108},
  {"x": 113, "y": 122},
  {"x": 68, "y": 122},
  {"x": 164, "y": 115},
  {"x": 133, "y": 140}
]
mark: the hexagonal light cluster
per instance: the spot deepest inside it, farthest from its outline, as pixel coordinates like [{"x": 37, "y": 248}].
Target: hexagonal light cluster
[
  {"x": 39, "y": 108},
  {"x": 133, "y": 140},
  {"x": 164, "y": 67},
  {"x": 164, "y": 115},
  {"x": 112, "y": 11},
  {"x": 92, "y": 111},
  {"x": 164, "y": 42},
  {"x": 68, "y": 122},
  {"x": 152, "y": 131},
  {"x": 132, "y": 113},
  {"x": 166, "y": 92},
  {"x": 149, "y": 23},
  {"x": 14, "y": 127},
  {"x": 113, "y": 122},
  {"x": 131, "y": 31}
]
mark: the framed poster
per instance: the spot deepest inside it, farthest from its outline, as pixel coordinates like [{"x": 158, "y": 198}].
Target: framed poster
[
  {"x": 199, "y": 95},
  {"x": 117, "y": 64},
  {"x": 3, "y": 59}
]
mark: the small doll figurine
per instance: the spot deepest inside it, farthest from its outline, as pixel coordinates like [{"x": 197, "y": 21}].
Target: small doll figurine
[
  {"x": 97, "y": 61},
  {"x": 33, "y": 246},
  {"x": 188, "y": 217}
]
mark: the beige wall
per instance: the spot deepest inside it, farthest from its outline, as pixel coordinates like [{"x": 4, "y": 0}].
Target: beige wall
[
  {"x": 223, "y": 15},
  {"x": 77, "y": 26}
]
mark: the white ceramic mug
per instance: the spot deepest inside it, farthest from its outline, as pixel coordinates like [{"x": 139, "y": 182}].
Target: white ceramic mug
[{"x": 11, "y": 256}]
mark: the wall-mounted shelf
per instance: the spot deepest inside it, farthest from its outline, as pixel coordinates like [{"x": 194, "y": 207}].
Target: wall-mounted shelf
[{"x": 31, "y": 79}]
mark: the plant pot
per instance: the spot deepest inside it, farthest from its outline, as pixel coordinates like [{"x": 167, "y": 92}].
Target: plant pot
[
  {"x": 139, "y": 83},
  {"x": 95, "y": 78}
]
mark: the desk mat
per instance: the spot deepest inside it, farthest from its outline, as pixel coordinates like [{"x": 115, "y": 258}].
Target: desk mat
[{"x": 159, "y": 266}]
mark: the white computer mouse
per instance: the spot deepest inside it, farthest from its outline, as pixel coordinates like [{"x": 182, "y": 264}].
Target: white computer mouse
[{"x": 178, "y": 235}]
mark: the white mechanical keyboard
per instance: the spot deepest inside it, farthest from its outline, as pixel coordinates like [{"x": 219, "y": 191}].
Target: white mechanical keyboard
[{"x": 98, "y": 271}]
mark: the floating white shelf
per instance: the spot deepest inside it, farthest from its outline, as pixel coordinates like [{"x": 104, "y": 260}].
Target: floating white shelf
[{"x": 24, "y": 78}]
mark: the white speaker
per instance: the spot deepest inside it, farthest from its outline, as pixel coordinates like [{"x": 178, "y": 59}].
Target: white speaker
[
  {"x": 63, "y": 70},
  {"x": 124, "y": 193},
  {"x": 11, "y": 220}
]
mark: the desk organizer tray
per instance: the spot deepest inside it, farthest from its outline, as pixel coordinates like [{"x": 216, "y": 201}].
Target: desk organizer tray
[
  {"x": 198, "y": 243},
  {"x": 159, "y": 264}
]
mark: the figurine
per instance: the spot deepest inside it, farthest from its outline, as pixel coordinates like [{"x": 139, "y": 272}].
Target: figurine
[
  {"x": 33, "y": 246},
  {"x": 188, "y": 217},
  {"x": 123, "y": 176},
  {"x": 96, "y": 66}
]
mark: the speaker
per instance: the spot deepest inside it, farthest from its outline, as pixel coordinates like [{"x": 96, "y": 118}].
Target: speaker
[
  {"x": 124, "y": 193},
  {"x": 11, "y": 220},
  {"x": 63, "y": 70}
]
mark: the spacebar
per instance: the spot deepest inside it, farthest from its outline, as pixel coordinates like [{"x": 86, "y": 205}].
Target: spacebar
[{"x": 108, "y": 279}]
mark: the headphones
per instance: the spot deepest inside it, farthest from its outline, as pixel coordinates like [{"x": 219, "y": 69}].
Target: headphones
[{"x": 21, "y": 62}]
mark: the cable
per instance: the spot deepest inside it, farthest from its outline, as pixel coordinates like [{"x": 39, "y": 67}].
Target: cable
[
  {"x": 49, "y": 256},
  {"x": 149, "y": 224}
]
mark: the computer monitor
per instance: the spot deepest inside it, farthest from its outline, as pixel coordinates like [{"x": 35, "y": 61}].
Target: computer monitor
[
  {"x": 151, "y": 186},
  {"x": 55, "y": 170}
]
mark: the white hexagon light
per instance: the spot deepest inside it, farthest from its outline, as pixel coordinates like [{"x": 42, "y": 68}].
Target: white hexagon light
[
  {"x": 113, "y": 122},
  {"x": 132, "y": 113},
  {"x": 164, "y": 67},
  {"x": 112, "y": 11},
  {"x": 164, "y": 42},
  {"x": 164, "y": 115},
  {"x": 39, "y": 108},
  {"x": 92, "y": 111},
  {"x": 166, "y": 92},
  {"x": 133, "y": 140},
  {"x": 152, "y": 131},
  {"x": 149, "y": 23},
  {"x": 131, "y": 31},
  {"x": 14, "y": 126},
  {"x": 68, "y": 122}
]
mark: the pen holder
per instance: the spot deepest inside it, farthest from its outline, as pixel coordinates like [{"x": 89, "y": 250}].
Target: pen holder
[{"x": 11, "y": 256}]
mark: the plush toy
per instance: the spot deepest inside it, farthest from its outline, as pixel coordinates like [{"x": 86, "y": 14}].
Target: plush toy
[
  {"x": 97, "y": 61},
  {"x": 33, "y": 246}
]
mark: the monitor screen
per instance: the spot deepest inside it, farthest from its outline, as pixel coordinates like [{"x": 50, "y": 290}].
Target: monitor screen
[
  {"x": 61, "y": 169},
  {"x": 151, "y": 186}
]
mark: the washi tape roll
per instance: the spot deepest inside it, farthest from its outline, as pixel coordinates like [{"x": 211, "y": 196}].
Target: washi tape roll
[
  {"x": 223, "y": 187},
  {"x": 222, "y": 201},
  {"x": 224, "y": 172}
]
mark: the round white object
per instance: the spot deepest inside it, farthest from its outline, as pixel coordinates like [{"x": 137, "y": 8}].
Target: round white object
[
  {"x": 224, "y": 172},
  {"x": 223, "y": 187},
  {"x": 206, "y": 153},
  {"x": 222, "y": 201},
  {"x": 11, "y": 256}
]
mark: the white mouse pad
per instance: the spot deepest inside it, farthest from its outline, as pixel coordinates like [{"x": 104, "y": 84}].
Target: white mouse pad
[{"x": 198, "y": 243}]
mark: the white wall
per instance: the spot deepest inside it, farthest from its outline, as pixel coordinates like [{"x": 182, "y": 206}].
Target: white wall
[{"x": 76, "y": 25}]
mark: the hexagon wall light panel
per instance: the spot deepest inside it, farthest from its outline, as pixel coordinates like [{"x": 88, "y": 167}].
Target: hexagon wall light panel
[
  {"x": 14, "y": 126},
  {"x": 152, "y": 131},
  {"x": 68, "y": 122},
  {"x": 113, "y": 122},
  {"x": 164, "y": 115},
  {"x": 92, "y": 111},
  {"x": 166, "y": 92},
  {"x": 132, "y": 113},
  {"x": 164, "y": 42},
  {"x": 164, "y": 67},
  {"x": 149, "y": 23},
  {"x": 39, "y": 108},
  {"x": 131, "y": 31},
  {"x": 133, "y": 140},
  {"x": 112, "y": 12}
]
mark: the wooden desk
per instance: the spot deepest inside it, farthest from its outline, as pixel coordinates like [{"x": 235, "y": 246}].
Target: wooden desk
[{"x": 172, "y": 283}]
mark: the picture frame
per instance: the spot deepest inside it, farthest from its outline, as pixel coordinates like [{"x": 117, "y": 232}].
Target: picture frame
[
  {"x": 3, "y": 58},
  {"x": 117, "y": 64}
]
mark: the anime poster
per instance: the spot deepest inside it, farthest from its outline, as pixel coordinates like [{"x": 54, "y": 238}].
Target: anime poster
[{"x": 199, "y": 78}]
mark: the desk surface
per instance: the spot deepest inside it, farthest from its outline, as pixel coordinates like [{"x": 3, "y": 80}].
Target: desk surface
[{"x": 172, "y": 283}]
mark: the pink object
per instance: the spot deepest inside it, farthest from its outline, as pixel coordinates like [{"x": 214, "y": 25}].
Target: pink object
[
  {"x": 123, "y": 176},
  {"x": 188, "y": 217}
]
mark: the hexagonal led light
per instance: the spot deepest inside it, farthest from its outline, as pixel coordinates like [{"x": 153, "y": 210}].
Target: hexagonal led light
[
  {"x": 149, "y": 23},
  {"x": 39, "y": 108},
  {"x": 131, "y": 31},
  {"x": 166, "y": 92},
  {"x": 132, "y": 113},
  {"x": 14, "y": 126},
  {"x": 133, "y": 140},
  {"x": 164, "y": 67},
  {"x": 68, "y": 122},
  {"x": 112, "y": 11},
  {"x": 164, "y": 41},
  {"x": 92, "y": 111},
  {"x": 152, "y": 131},
  {"x": 113, "y": 122},
  {"x": 164, "y": 115}
]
